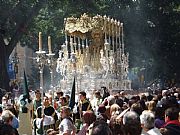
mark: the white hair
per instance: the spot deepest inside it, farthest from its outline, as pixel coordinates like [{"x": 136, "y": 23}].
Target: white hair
[
  {"x": 111, "y": 100},
  {"x": 130, "y": 116},
  {"x": 164, "y": 92},
  {"x": 147, "y": 119}
]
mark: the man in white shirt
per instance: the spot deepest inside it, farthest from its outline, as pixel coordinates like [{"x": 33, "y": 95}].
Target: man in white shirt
[{"x": 147, "y": 122}]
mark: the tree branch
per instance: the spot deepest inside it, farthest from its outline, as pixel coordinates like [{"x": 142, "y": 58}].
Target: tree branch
[
  {"x": 24, "y": 24},
  {"x": 8, "y": 14}
]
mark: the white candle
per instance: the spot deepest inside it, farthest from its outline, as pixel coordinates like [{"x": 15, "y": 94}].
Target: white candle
[
  {"x": 122, "y": 31},
  {"x": 71, "y": 44},
  {"x": 40, "y": 41},
  {"x": 49, "y": 44}
]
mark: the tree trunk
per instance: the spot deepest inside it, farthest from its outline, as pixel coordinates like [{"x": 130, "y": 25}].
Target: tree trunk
[{"x": 4, "y": 78}]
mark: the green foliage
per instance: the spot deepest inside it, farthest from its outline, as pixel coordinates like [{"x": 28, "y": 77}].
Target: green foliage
[{"x": 151, "y": 27}]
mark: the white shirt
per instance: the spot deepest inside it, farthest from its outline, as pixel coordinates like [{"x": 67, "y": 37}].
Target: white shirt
[
  {"x": 48, "y": 120},
  {"x": 66, "y": 126},
  {"x": 154, "y": 131}
]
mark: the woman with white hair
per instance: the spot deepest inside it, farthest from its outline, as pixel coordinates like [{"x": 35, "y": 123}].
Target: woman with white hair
[{"x": 147, "y": 122}]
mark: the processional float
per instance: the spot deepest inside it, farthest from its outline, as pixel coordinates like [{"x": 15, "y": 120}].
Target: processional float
[{"x": 93, "y": 52}]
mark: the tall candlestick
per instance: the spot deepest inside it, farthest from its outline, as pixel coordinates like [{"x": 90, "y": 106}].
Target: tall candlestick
[
  {"x": 66, "y": 38},
  {"x": 109, "y": 27},
  {"x": 40, "y": 41},
  {"x": 49, "y": 44},
  {"x": 66, "y": 41},
  {"x": 71, "y": 44},
  {"x": 79, "y": 44},
  {"x": 122, "y": 38},
  {"x": 82, "y": 51},
  {"x": 116, "y": 33},
  {"x": 105, "y": 29},
  {"x": 87, "y": 43},
  {"x": 119, "y": 25},
  {"x": 75, "y": 45},
  {"x": 112, "y": 30}
]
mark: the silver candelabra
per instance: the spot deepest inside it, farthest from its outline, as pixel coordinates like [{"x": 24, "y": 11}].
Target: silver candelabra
[{"x": 43, "y": 59}]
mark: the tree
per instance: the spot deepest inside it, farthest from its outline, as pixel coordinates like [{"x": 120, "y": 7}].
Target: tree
[
  {"x": 16, "y": 17},
  {"x": 163, "y": 20}
]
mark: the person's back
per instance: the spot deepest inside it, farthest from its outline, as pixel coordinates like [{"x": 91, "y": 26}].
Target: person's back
[
  {"x": 172, "y": 123},
  {"x": 7, "y": 130},
  {"x": 147, "y": 123},
  {"x": 131, "y": 123},
  {"x": 100, "y": 128}
]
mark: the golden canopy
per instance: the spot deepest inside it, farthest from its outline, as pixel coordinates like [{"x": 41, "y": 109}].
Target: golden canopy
[{"x": 80, "y": 27}]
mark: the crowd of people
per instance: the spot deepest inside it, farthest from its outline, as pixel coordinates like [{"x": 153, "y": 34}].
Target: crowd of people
[{"x": 117, "y": 113}]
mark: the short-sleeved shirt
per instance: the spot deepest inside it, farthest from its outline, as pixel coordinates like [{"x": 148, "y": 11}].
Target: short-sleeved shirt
[{"x": 66, "y": 126}]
